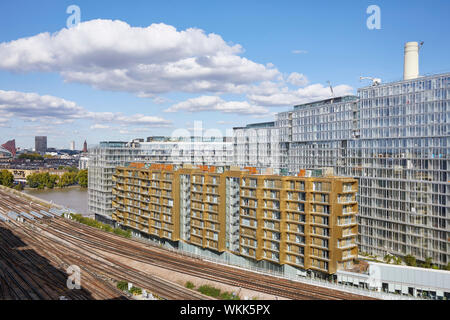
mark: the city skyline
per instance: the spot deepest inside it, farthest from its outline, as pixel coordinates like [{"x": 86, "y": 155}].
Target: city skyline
[{"x": 212, "y": 71}]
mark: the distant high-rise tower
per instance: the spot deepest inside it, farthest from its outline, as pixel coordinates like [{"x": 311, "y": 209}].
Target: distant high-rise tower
[
  {"x": 10, "y": 146},
  {"x": 72, "y": 145},
  {"x": 85, "y": 147},
  {"x": 40, "y": 144}
]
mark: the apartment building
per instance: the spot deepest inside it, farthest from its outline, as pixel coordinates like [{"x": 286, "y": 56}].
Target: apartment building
[
  {"x": 192, "y": 150},
  {"x": 308, "y": 223},
  {"x": 395, "y": 139},
  {"x": 256, "y": 145},
  {"x": 105, "y": 157},
  {"x": 103, "y": 160}
]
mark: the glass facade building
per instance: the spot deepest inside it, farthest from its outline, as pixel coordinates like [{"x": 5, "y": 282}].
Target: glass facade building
[
  {"x": 103, "y": 160},
  {"x": 256, "y": 145},
  {"x": 394, "y": 138},
  {"x": 105, "y": 157},
  {"x": 402, "y": 160}
]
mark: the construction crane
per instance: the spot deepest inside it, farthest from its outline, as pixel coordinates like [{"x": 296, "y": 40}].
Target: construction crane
[
  {"x": 375, "y": 81},
  {"x": 331, "y": 88}
]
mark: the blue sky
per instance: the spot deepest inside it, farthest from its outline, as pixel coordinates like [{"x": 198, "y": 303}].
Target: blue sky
[{"x": 269, "y": 55}]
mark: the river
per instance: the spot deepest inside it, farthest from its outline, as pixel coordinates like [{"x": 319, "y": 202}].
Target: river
[{"x": 75, "y": 198}]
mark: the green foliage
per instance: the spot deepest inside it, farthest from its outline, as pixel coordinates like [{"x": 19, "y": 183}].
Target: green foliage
[
  {"x": 123, "y": 233},
  {"x": 215, "y": 293},
  {"x": 428, "y": 263},
  {"x": 67, "y": 179},
  {"x": 447, "y": 267},
  {"x": 122, "y": 285},
  {"x": 397, "y": 260},
  {"x": 228, "y": 296},
  {"x": 189, "y": 285},
  {"x": 71, "y": 169},
  {"x": 6, "y": 178},
  {"x": 209, "y": 290},
  {"x": 31, "y": 156},
  {"x": 135, "y": 290},
  {"x": 42, "y": 180},
  {"x": 99, "y": 225},
  {"x": 392, "y": 259},
  {"x": 410, "y": 260},
  {"x": 82, "y": 178},
  {"x": 18, "y": 187}
]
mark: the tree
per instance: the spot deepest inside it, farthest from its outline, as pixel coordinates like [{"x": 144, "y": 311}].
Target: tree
[
  {"x": 6, "y": 178},
  {"x": 428, "y": 263},
  {"x": 32, "y": 180},
  {"x": 82, "y": 178},
  {"x": 42, "y": 180},
  {"x": 67, "y": 179},
  {"x": 18, "y": 187},
  {"x": 122, "y": 285},
  {"x": 31, "y": 156},
  {"x": 72, "y": 169},
  {"x": 410, "y": 260},
  {"x": 136, "y": 291}
]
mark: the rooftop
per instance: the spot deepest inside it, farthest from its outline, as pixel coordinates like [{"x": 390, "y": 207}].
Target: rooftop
[
  {"x": 326, "y": 101},
  {"x": 269, "y": 124},
  {"x": 423, "y": 77}
]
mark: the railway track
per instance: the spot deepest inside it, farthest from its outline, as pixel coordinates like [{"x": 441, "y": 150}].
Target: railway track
[
  {"x": 153, "y": 255},
  {"x": 37, "y": 286},
  {"x": 73, "y": 243}
]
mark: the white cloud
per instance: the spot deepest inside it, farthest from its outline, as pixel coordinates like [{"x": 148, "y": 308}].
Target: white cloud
[
  {"x": 99, "y": 126},
  {"x": 33, "y": 107},
  {"x": 49, "y": 109},
  {"x": 140, "y": 119},
  {"x": 299, "y": 51},
  {"x": 112, "y": 55},
  {"x": 297, "y": 79},
  {"x": 149, "y": 62},
  {"x": 133, "y": 131},
  {"x": 214, "y": 103},
  {"x": 286, "y": 97}
]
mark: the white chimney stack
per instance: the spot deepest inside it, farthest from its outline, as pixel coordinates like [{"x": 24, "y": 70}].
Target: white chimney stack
[{"x": 411, "y": 65}]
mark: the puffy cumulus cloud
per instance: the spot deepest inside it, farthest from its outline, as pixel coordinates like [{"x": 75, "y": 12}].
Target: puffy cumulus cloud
[
  {"x": 32, "y": 107},
  {"x": 297, "y": 79},
  {"x": 99, "y": 126},
  {"x": 54, "y": 110},
  {"x": 140, "y": 119},
  {"x": 133, "y": 131},
  {"x": 214, "y": 103},
  {"x": 283, "y": 96},
  {"x": 112, "y": 55}
]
